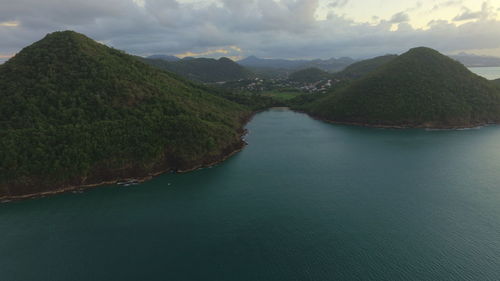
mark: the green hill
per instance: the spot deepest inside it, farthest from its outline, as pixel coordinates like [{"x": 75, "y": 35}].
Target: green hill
[
  {"x": 203, "y": 69},
  {"x": 309, "y": 75},
  {"x": 362, "y": 68},
  {"x": 421, "y": 88},
  {"x": 497, "y": 81},
  {"x": 74, "y": 112}
]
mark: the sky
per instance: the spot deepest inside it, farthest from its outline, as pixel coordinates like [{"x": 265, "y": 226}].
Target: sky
[{"x": 293, "y": 29}]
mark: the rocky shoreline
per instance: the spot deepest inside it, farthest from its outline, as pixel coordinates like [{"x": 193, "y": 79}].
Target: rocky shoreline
[{"x": 226, "y": 154}]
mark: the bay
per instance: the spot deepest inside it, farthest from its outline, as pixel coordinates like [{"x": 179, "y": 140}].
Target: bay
[
  {"x": 305, "y": 200},
  {"x": 490, "y": 73}
]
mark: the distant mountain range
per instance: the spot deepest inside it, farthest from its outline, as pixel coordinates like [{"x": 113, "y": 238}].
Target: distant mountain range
[
  {"x": 330, "y": 65},
  {"x": 209, "y": 70},
  {"x": 471, "y": 60}
]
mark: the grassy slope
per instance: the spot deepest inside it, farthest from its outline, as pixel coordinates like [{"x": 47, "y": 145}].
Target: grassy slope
[
  {"x": 419, "y": 88},
  {"x": 75, "y": 112}
]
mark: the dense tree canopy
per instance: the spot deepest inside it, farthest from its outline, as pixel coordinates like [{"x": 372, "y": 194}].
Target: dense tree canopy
[
  {"x": 419, "y": 88},
  {"x": 309, "y": 75},
  {"x": 203, "y": 69},
  {"x": 364, "y": 67},
  {"x": 73, "y": 111}
]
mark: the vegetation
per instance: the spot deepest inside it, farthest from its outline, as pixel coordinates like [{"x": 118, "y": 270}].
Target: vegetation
[
  {"x": 203, "y": 69},
  {"x": 282, "y": 96},
  {"x": 299, "y": 101},
  {"x": 75, "y": 112},
  {"x": 253, "y": 101},
  {"x": 362, "y": 68},
  {"x": 309, "y": 75},
  {"x": 497, "y": 81},
  {"x": 420, "y": 88}
]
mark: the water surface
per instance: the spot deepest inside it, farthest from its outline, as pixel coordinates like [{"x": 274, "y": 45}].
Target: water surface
[
  {"x": 306, "y": 200},
  {"x": 487, "y": 72}
]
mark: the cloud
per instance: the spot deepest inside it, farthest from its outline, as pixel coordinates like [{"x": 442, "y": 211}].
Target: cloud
[
  {"x": 338, "y": 3},
  {"x": 447, "y": 4},
  {"x": 400, "y": 17},
  {"x": 206, "y": 53},
  {"x": 486, "y": 12},
  {"x": 266, "y": 28},
  {"x": 417, "y": 6}
]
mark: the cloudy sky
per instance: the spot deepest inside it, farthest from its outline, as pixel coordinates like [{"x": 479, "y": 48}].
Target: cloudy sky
[{"x": 265, "y": 28}]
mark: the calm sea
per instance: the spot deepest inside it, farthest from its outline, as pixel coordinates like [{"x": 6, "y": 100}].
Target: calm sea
[
  {"x": 306, "y": 200},
  {"x": 487, "y": 72}
]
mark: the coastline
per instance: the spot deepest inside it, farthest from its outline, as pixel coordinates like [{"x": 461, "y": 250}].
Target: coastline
[
  {"x": 429, "y": 127},
  {"x": 235, "y": 148},
  {"x": 223, "y": 156}
]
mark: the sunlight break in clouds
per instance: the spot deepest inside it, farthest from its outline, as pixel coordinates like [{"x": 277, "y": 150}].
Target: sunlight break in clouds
[{"x": 9, "y": 24}]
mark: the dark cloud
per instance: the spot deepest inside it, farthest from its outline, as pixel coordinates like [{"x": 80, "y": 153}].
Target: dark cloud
[{"x": 266, "y": 28}]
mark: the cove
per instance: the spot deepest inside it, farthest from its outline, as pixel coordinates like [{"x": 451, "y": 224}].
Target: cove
[{"x": 305, "y": 200}]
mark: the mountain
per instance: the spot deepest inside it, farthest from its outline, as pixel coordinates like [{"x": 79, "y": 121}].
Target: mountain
[
  {"x": 164, "y": 57},
  {"x": 204, "y": 69},
  {"x": 497, "y": 81},
  {"x": 330, "y": 65},
  {"x": 470, "y": 60},
  {"x": 75, "y": 113},
  {"x": 362, "y": 68},
  {"x": 421, "y": 88},
  {"x": 309, "y": 75}
]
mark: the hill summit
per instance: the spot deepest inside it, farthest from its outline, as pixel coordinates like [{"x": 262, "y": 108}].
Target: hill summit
[
  {"x": 74, "y": 112},
  {"x": 421, "y": 88}
]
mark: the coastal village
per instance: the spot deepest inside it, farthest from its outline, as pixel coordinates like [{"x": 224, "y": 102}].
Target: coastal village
[{"x": 258, "y": 85}]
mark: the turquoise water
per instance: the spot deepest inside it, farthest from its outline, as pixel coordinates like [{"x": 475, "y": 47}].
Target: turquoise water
[
  {"x": 487, "y": 72},
  {"x": 306, "y": 200}
]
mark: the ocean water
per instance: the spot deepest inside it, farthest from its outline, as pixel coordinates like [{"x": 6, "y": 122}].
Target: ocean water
[
  {"x": 487, "y": 72},
  {"x": 306, "y": 200}
]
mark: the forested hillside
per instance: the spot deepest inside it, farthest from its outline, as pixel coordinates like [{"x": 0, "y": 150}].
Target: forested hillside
[
  {"x": 75, "y": 112},
  {"x": 309, "y": 75},
  {"x": 203, "y": 69},
  {"x": 421, "y": 88},
  {"x": 362, "y": 68}
]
